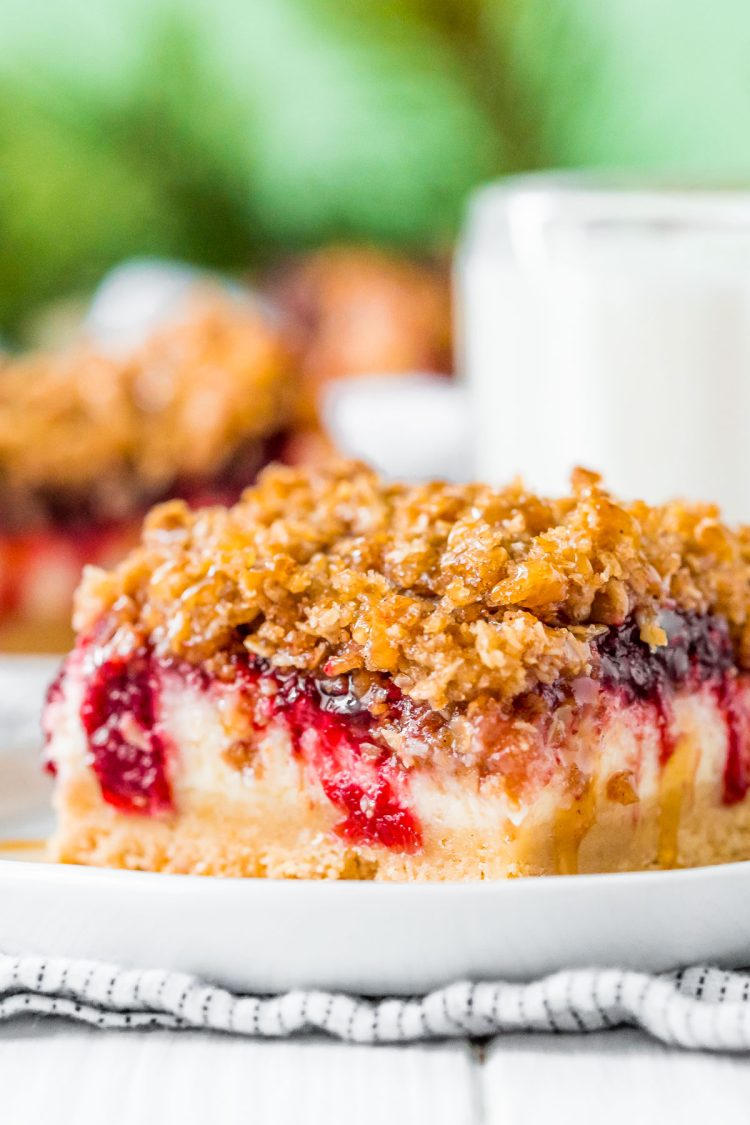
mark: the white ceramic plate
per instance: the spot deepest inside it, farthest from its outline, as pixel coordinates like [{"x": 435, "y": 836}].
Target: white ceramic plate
[{"x": 261, "y": 935}]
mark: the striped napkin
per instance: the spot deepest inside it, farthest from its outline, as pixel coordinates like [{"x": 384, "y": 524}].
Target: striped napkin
[{"x": 699, "y": 1008}]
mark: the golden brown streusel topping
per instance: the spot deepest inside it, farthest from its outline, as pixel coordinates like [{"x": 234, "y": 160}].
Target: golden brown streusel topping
[
  {"x": 175, "y": 406},
  {"x": 456, "y": 591}
]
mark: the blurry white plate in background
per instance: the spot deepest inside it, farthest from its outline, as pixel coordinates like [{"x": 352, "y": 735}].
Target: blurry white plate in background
[
  {"x": 411, "y": 427},
  {"x": 268, "y": 936},
  {"x": 141, "y": 295}
]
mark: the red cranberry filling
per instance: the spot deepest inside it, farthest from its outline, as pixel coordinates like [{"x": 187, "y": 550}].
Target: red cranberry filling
[
  {"x": 330, "y": 728},
  {"x": 24, "y": 557},
  {"x": 53, "y": 697},
  {"x": 699, "y": 649},
  {"x": 335, "y": 736},
  {"x": 334, "y": 732},
  {"x": 127, "y": 749},
  {"x": 737, "y": 766}
]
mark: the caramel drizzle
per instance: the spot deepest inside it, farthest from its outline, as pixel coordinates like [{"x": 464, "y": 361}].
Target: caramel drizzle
[
  {"x": 678, "y": 770},
  {"x": 34, "y": 848},
  {"x": 572, "y": 824},
  {"x": 675, "y": 786}
]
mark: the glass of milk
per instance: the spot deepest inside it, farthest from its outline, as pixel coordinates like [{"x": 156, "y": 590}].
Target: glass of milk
[{"x": 608, "y": 325}]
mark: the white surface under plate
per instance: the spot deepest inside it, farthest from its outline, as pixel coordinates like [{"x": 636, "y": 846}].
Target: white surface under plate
[{"x": 262, "y": 935}]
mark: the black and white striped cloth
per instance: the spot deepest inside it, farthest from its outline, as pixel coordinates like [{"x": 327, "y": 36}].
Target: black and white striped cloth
[{"x": 699, "y": 1008}]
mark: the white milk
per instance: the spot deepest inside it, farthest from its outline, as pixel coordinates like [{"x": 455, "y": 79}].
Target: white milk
[{"x": 610, "y": 328}]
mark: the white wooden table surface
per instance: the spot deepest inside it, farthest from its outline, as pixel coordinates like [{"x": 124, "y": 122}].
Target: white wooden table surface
[{"x": 54, "y": 1073}]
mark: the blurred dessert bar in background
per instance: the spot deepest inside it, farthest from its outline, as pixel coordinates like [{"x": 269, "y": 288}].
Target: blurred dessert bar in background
[
  {"x": 178, "y": 384},
  {"x": 358, "y": 310},
  {"x": 89, "y": 440}
]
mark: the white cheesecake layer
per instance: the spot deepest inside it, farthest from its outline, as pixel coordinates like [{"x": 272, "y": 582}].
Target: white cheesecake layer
[{"x": 555, "y": 823}]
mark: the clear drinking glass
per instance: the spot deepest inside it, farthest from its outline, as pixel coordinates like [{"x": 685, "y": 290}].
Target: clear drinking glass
[{"x": 608, "y": 325}]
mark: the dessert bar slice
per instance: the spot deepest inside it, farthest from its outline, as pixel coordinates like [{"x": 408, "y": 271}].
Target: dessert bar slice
[
  {"x": 354, "y": 311},
  {"x": 88, "y": 442},
  {"x": 341, "y": 677}
]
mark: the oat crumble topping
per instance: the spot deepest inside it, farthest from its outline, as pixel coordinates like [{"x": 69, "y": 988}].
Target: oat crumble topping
[{"x": 458, "y": 592}]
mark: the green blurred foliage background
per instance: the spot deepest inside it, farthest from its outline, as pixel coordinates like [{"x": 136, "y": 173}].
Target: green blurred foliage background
[{"x": 228, "y": 131}]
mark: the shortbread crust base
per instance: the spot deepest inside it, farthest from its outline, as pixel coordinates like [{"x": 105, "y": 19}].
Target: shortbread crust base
[{"x": 300, "y": 843}]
